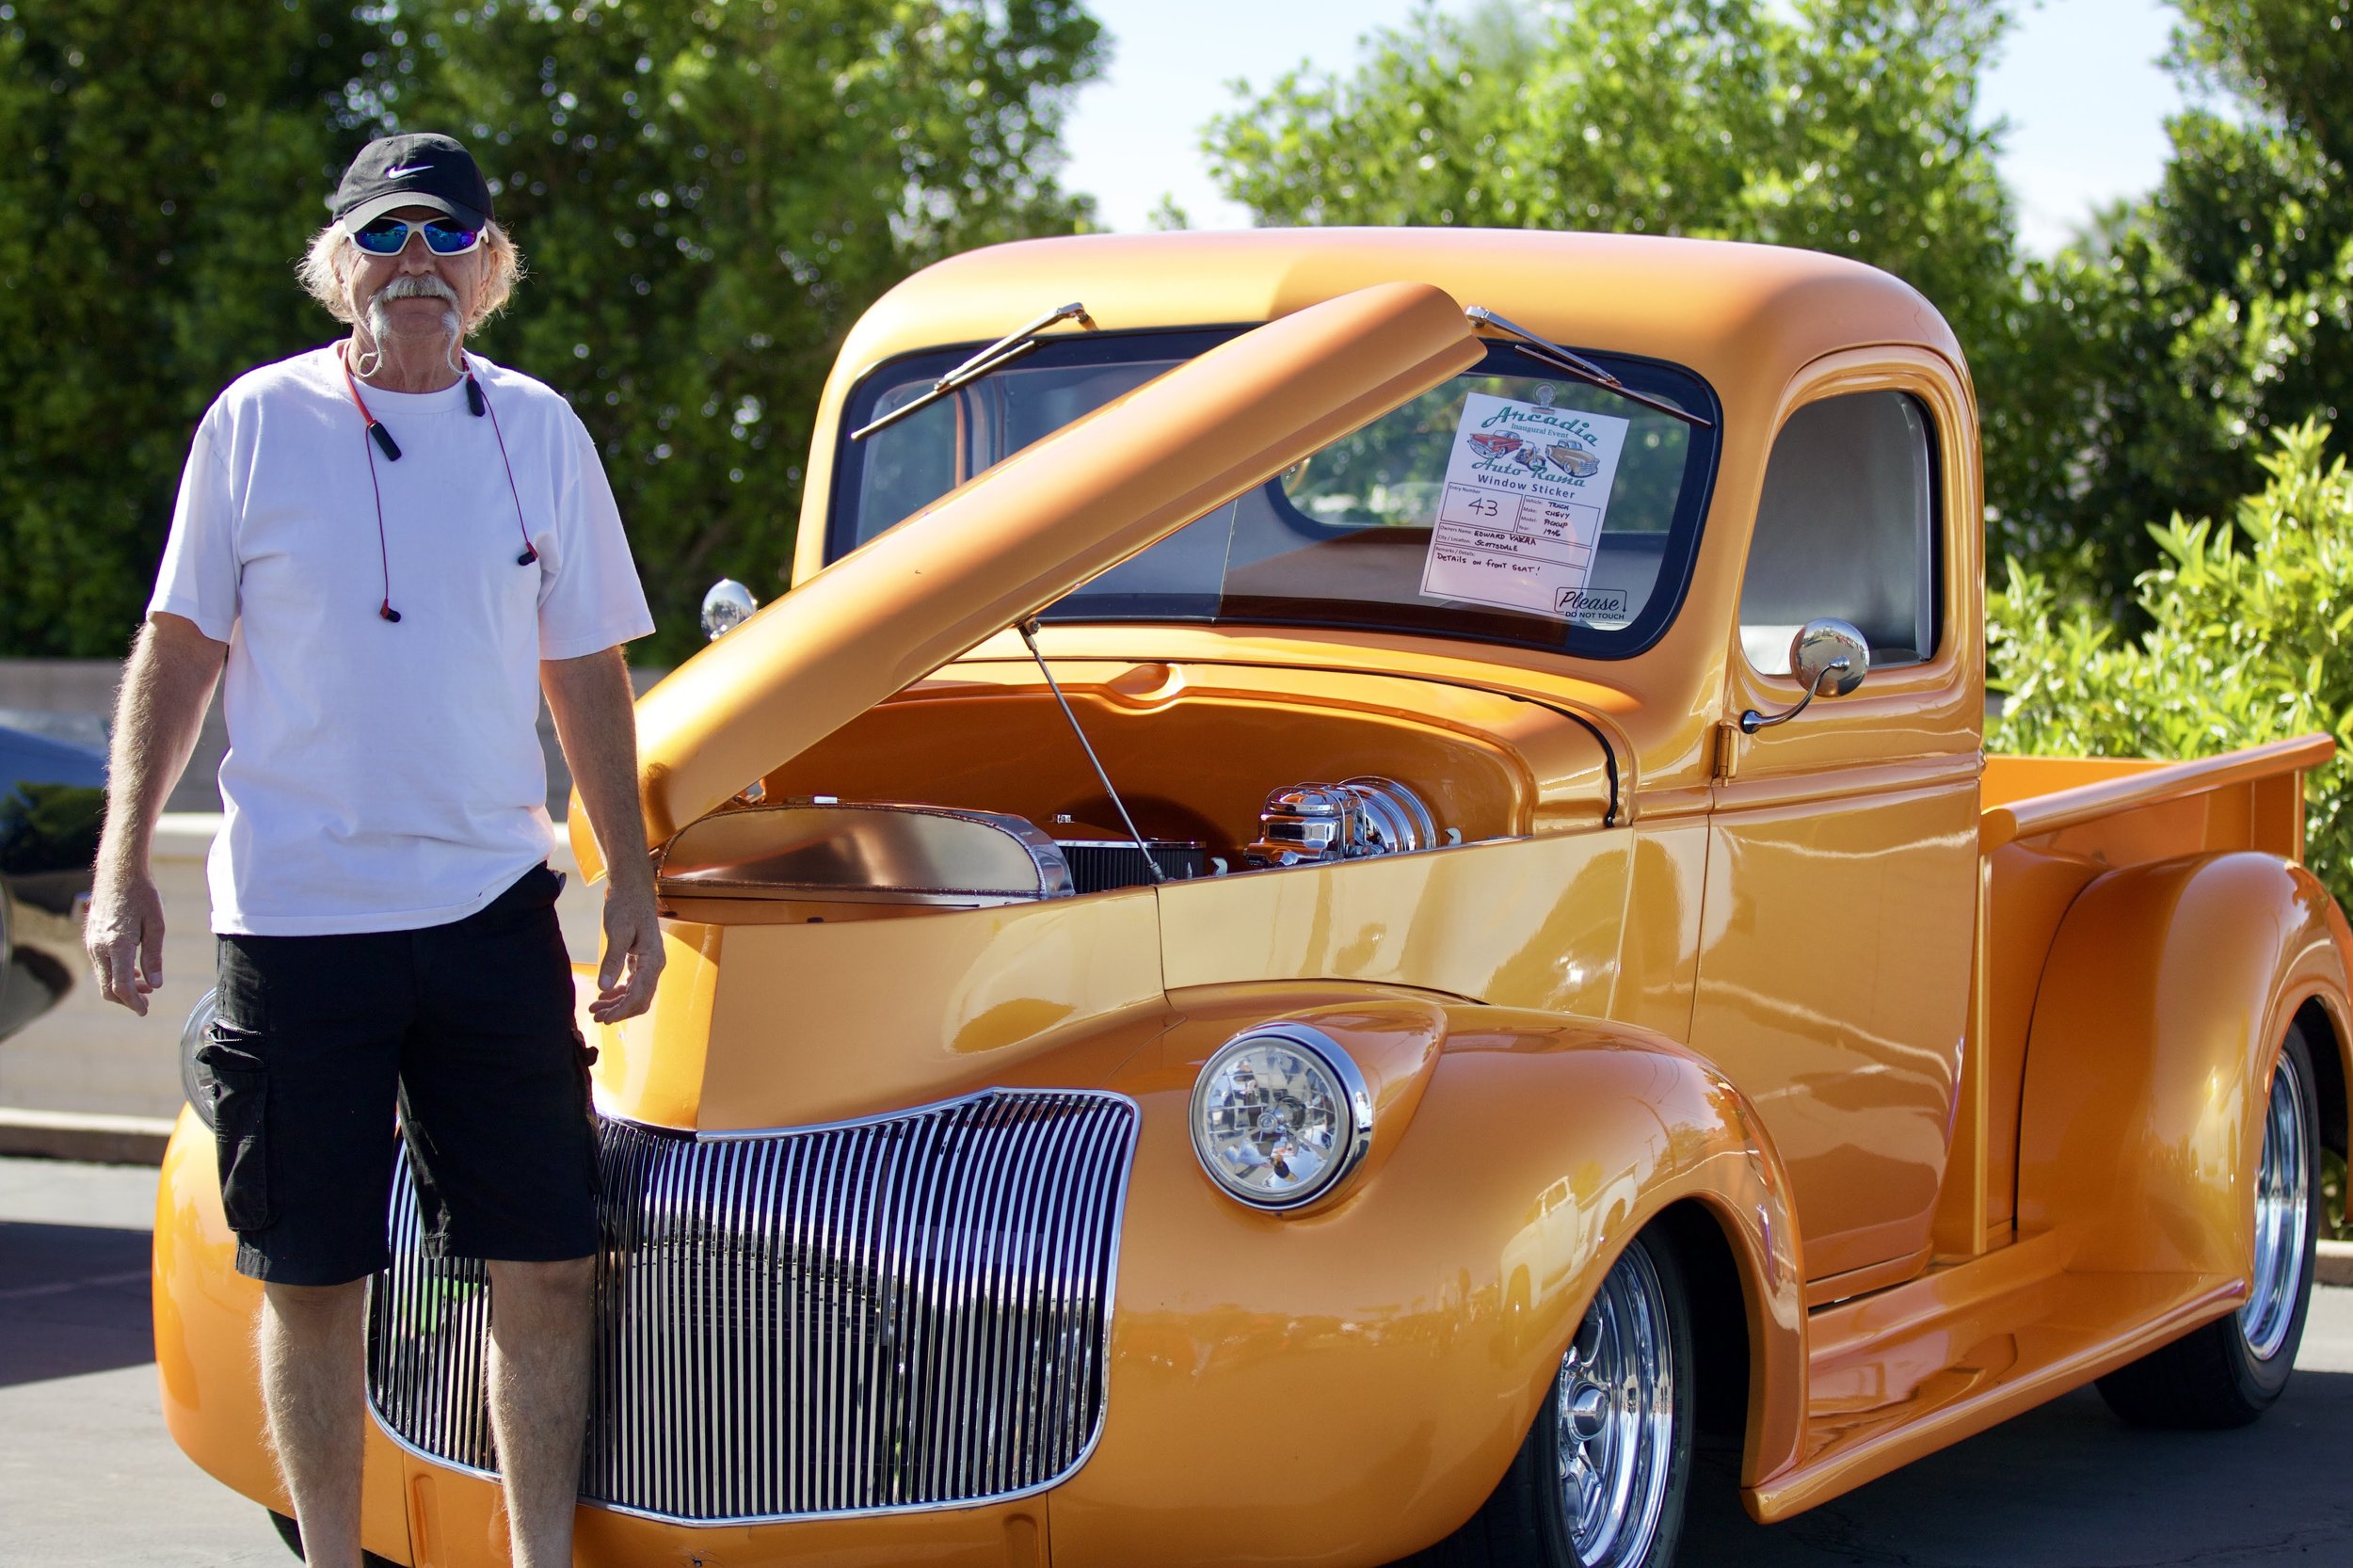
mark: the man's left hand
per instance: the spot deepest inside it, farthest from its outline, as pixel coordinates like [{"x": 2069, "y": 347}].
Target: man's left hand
[{"x": 633, "y": 954}]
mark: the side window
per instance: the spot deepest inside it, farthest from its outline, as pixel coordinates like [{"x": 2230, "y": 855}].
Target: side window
[{"x": 1847, "y": 527}]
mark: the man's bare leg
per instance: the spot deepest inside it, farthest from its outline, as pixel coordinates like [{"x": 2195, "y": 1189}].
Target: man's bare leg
[
  {"x": 539, "y": 1343},
  {"x": 315, "y": 1384}
]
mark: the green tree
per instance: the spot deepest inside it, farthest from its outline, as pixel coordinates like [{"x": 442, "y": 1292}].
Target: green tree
[
  {"x": 1843, "y": 125},
  {"x": 710, "y": 194},
  {"x": 2151, "y": 361},
  {"x": 147, "y": 151}
]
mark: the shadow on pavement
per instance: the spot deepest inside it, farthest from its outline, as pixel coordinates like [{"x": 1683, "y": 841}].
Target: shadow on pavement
[
  {"x": 73, "y": 1299},
  {"x": 2070, "y": 1486}
]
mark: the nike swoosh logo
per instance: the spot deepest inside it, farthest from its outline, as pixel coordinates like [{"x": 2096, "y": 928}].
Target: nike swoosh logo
[{"x": 406, "y": 168}]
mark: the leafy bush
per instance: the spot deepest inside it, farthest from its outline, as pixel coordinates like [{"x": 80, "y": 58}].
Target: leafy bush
[{"x": 2250, "y": 639}]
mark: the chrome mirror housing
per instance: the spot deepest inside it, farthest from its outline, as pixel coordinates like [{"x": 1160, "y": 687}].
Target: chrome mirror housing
[
  {"x": 1828, "y": 657},
  {"x": 726, "y": 607}
]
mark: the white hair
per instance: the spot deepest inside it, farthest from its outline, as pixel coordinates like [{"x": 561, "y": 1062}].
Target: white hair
[{"x": 326, "y": 266}]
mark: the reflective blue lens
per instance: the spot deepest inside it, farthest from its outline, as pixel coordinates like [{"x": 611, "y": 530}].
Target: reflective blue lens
[
  {"x": 388, "y": 236},
  {"x": 384, "y": 237}
]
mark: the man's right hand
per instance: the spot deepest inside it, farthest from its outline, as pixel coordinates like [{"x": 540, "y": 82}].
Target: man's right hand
[
  {"x": 165, "y": 688},
  {"x": 123, "y": 936}
]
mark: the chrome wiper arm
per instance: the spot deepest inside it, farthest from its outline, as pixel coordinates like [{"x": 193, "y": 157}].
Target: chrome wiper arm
[
  {"x": 1545, "y": 351},
  {"x": 1004, "y": 351}
]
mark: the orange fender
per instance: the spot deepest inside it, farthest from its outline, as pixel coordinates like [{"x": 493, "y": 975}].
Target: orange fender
[
  {"x": 2167, "y": 991},
  {"x": 1348, "y": 1383},
  {"x": 205, "y": 1316}
]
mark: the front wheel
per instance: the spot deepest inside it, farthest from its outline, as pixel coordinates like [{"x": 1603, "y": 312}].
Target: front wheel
[
  {"x": 2228, "y": 1372},
  {"x": 1600, "y": 1480}
]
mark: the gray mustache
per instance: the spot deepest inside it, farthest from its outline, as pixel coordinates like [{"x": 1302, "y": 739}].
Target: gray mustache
[{"x": 416, "y": 286}]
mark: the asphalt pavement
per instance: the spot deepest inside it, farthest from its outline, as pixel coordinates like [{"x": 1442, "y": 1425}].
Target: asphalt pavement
[{"x": 89, "y": 1478}]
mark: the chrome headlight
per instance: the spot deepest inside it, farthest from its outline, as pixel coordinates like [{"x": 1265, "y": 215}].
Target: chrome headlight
[
  {"x": 1280, "y": 1114},
  {"x": 194, "y": 1080}
]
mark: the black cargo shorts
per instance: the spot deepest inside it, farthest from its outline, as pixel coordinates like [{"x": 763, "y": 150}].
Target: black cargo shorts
[{"x": 467, "y": 1029}]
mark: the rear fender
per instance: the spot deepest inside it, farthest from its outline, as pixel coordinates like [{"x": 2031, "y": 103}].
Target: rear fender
[
  {"x": 1350, "y": 1382},
  {"x": 2167, "y": 991}
]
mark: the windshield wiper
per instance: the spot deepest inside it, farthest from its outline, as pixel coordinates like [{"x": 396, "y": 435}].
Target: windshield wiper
[
  {"x": 1546, "y": 351},
  {"x": 1004, "y": 351}
]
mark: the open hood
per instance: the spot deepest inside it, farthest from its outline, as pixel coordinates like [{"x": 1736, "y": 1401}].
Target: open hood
[{"x": 1030, "y": 530}]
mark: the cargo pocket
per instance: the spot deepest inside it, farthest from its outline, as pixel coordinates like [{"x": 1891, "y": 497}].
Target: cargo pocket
[{"x": 240, "y": 1116}]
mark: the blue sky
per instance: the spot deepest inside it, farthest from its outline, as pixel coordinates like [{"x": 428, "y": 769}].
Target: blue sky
[{"x": 2077, "y": 80}]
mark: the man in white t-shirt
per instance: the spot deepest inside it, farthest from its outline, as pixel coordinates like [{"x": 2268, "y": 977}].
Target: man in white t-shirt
[{"x": 392, "y": 548}]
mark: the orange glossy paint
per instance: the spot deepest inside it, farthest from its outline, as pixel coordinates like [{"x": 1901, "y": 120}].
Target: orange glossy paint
[{"x": 1823, "y": 993}]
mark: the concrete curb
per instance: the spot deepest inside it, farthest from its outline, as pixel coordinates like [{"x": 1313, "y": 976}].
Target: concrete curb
[
  {"x": 101, "y": 1140},
  {"x": 2334, "y": 1264}
]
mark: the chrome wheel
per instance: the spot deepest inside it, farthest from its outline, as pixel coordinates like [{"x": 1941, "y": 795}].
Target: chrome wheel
[
  {"x": 2283, "y": 1216},
  {"x": 1613, "y": 1406}
]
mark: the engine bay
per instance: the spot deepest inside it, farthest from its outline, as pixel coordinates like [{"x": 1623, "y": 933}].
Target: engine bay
[
  {"x": 824, "y": 849},
  {"x": 983, "y": 785}
]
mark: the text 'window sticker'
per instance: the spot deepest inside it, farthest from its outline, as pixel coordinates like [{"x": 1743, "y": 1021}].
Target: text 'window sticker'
[{"x": 1520, "y": 513}]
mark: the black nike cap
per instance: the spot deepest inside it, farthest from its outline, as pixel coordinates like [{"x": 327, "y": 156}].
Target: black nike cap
[{"x": 420, "y": 170}]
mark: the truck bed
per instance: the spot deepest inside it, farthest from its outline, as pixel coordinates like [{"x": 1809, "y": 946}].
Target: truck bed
[
  {"x": 2049, "y": 826},
  {"x": 2119, "y": 811}
]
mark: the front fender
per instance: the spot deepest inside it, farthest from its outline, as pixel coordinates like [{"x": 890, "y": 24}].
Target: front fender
[
  {"x": 1347, "y": 1384},
  {"x": 2168, "y": 988},
  {"x": 206, "y": 1314}
]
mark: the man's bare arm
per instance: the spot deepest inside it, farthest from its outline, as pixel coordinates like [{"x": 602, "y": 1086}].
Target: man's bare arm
[
  {"x": 158, "y": 711},
  {"x": 596, "y": 722}
]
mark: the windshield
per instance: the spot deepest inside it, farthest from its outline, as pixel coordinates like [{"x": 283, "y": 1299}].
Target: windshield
[{"x": 1503, "y": 505}]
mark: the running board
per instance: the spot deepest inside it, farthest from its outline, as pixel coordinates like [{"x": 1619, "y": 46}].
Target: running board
[{"x": 1885, "y": 1385}]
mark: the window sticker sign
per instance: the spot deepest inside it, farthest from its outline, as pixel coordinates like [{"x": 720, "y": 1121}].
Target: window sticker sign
[{"x": 1520, "y": 514}]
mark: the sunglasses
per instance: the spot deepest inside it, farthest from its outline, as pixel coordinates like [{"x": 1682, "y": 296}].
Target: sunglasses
[{"x": 388, "y": 236}]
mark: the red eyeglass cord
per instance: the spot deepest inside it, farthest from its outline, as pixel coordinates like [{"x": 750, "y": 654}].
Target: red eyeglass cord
[{"x": 479, "y": 400}]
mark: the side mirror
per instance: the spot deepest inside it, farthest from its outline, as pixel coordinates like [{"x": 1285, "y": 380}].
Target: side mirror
[
  {"x": 1828, "y": 657},
  {"x": 726, "y": 607}
]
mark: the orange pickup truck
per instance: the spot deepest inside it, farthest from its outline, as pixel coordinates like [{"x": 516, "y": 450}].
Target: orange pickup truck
[{"x": 1357, "y": 892}]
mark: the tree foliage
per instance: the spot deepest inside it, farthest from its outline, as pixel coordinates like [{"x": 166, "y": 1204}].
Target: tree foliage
[
  {"x": 147, "y": 153},
  {"x": 2153, "y": 361},
  {"x": 1842, "y": 125},
  {"x": 2248, "y": 639},
  {"x": 709, "y": 191}
]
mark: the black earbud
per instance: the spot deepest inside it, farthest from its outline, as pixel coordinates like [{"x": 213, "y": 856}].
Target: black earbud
[
  {"x": 528, "y": 556},
  {"x": 473, "y": 397},
  {"x": 388, "y": 613},
  {"x": 384, "y": 439}
]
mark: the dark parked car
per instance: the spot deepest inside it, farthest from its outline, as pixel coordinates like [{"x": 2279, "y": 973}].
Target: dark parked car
[{"x": 52, "y": 800}]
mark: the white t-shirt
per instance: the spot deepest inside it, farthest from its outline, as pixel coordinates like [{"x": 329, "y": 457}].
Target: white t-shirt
[{"x": 383, "y": 776}]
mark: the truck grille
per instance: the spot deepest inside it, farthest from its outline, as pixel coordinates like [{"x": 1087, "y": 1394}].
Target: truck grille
[{"x": 903, "y": 1313}]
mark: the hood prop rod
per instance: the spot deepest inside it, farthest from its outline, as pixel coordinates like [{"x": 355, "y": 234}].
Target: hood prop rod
[{"x": 1028, "y": 634}]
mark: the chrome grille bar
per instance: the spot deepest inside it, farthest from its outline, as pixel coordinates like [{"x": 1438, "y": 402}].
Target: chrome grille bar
[{"x": 907, "y": 1312}]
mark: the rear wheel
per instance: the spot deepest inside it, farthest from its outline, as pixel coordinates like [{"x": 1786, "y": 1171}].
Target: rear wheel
[
  {"x": 1600, "y": 1480},
  {"x": 2228, "y": 1372}
]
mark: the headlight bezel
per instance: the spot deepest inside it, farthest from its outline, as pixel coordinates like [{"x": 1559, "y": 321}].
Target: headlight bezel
[
  {"x": 1355, "y": 1100},
  {"x": 195, "y": 1082}
]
